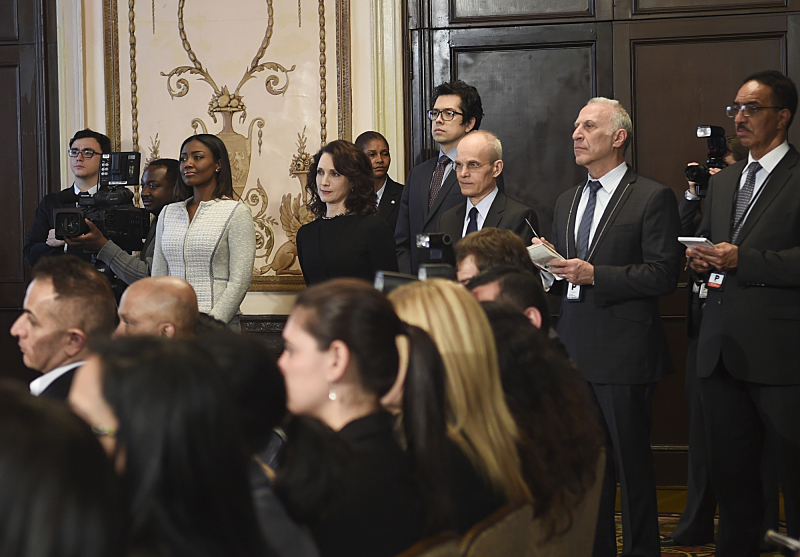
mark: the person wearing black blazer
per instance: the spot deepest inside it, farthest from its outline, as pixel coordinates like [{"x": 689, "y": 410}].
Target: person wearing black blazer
[
  {"x": 85, "y": 149},
  {"x": 389, "y": 204},
  {"x": 67, "y": 304},
  {"x": 748, "y": 350},
  {"x": 495, "y": 209},
  {"x": 431, "y": 187},
  {"x": 388, "y": 191},
  {"x": 618, "y": 234}
]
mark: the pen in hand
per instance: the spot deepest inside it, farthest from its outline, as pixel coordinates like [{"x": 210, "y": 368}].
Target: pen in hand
[{"x": 531, "y": 227}]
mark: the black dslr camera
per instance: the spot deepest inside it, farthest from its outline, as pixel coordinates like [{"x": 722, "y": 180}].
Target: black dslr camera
[
  {"x": 111, "y": 209},
  {"x": 717, "y": 148}
]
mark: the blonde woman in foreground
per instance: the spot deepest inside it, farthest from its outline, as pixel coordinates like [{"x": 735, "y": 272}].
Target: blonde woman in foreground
[{"x": 479, "y": 421}]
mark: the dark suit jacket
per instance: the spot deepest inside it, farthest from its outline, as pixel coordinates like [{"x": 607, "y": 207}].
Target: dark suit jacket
[
  {"x": 59, "y": 389},
  {"x": 415, "y": 218},
  {"x": 505, "y": 213},
  {"x": 36, "y": 240},
  {"x": 389, "y": 207},
  {"x": 754, "y": 323},
  {"x": 614, "y": 333},
  {"x": 375, "y": 509}
]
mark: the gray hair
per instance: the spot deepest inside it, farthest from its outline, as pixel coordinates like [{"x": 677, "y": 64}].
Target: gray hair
[
  {"x": 495, "y": 147},
  {"x": 621, "y": 120}
]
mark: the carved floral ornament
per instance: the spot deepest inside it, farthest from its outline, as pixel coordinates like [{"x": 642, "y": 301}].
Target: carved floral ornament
[
  {"x": 293, "y": 212},
  {"x": 273, "y": 263}
]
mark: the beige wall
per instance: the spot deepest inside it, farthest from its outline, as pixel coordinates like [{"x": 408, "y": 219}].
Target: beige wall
[{"x": 225, "y": 43}]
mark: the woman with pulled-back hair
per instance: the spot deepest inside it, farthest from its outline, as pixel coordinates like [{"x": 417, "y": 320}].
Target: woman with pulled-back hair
[
  {"x": 369, "y": 497},
  {"x": 347, "y": 237}
]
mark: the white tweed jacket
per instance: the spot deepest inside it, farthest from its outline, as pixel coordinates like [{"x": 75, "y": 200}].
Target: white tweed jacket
[{"x": 214, "y": 252}]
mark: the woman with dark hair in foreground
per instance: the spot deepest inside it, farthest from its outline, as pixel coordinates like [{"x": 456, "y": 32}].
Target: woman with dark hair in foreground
[
  {"x": 346, "y": 476},
  {"x": 60, "y": 496},
  {"x": 560, "y": 435},
  {"x": 347, "y": 238},
  {"x": 170, "y": 429}
]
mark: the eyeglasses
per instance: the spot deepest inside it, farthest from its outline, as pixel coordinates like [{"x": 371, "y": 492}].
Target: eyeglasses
[
  {"x": 87, "y": 153},
  {"x": 447, "y": 114},
  {"x": 102, "y": 431},
  {"x": 470, "y": 166},
  {"x": 746, "y": 109}
]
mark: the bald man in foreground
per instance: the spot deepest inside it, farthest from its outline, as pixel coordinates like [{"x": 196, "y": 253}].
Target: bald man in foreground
[{"x": 159, "y": 306}]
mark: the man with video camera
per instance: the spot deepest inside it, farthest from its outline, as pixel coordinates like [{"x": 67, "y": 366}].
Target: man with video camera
[
  {"x": 158, "y": 190},
  {"x": 84, "y": 152}
]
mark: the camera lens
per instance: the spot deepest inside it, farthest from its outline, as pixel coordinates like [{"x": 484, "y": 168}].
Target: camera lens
[
  {"x": 697, "y": 173},
  {"x": 72, "y": 224}
]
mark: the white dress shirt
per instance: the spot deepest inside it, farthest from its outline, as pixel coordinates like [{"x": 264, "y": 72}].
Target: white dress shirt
[
  {"x": 39, "y": 384},
  {"x": 483, "y": 207},
  {"x": 609, "y": 183}
]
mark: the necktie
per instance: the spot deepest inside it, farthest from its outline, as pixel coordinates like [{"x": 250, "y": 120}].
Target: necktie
[
  {"x": 438, "y": 177},
  {"x": 743, "y": 202},
  {"x": 472, "y": 225},
  {"x": 586, "y": 221}
]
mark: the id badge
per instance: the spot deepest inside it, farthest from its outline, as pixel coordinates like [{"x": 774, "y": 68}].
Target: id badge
[
  {"x": 573, "y": 292},
  {"x": 716, "y": 280}
]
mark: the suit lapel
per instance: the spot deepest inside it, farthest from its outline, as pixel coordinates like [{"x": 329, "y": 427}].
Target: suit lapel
[
  {"x": 774, "y": 184},
  {"x": 724, "y": 194},
  {"x": 615, "y": 204},
  {"x": 570, "y": 239},
  {"x": 495, "y": 214}
]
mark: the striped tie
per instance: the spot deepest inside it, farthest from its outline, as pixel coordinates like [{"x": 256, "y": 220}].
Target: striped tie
[
  {"x": 743, "y": 202},
  {"x": 586, "y": 220},
  {"x": 438, "y": 177}
]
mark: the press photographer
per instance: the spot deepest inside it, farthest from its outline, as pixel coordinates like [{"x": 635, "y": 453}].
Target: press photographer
[
  {"x": 84, "y": 152},
  {"x": 158, "y": 189},
  {"x": 722, "y": 151}
]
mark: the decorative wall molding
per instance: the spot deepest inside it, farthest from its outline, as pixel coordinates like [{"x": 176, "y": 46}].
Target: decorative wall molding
[{"x": 276, "y": 268}]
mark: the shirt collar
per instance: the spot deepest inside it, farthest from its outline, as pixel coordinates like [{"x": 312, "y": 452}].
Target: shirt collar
[
  {"x": 450, "y": 154},
  {"x": 612, "y": 178},
  {"x": 90, "y": 191},
  {"x": 769, "y": 161},
  {"x": 39, "y": 384}
]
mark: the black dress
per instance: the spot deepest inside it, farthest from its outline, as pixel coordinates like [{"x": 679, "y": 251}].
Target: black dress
[
  {"x": 345, "y": 246},
  {"x": 375, "y": 509}
]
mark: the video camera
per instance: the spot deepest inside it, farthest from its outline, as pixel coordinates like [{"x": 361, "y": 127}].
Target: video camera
[
  {"x": 111, "y": 209},
  {"x": 717, "y": 148}
]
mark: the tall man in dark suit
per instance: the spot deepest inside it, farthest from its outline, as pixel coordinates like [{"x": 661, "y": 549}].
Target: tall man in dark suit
[
  {"x": 388, "y": 191},
  {"x": 67, "y": 303},
  {"x": 748, "y": 350},
  {"x": 479, "y": 161},
  {"x": 84, "y": 152},
  {"x": 431, "y": 188},
  {"x": 618, "y": 233}
]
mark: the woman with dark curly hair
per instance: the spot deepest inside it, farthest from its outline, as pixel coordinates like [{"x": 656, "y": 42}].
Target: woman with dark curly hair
[
  {"x": 560, "y": 436},
  {"x": 347, "y": 238}
]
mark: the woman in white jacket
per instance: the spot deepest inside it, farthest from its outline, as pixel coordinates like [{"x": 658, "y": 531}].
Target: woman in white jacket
[{"x": 209, "y": 239}]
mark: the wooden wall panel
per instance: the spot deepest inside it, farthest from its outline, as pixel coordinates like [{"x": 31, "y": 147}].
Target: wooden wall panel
[
  {"x": 533, "y": 82},
  {"x": 26, "y": 144},
  {"x": 675, "y": 77},
  {"x": 627, "y": 9}
]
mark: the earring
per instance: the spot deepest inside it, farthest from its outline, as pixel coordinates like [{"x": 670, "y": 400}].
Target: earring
[
  {"x": 332, "y": 393},
  {"x": 217, "y": 170}
]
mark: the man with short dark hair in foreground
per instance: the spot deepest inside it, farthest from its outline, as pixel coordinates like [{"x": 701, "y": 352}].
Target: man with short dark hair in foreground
[{"x": 67, "y": 304}]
